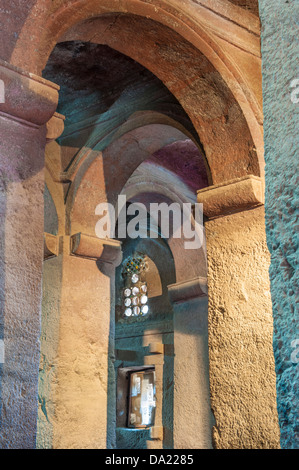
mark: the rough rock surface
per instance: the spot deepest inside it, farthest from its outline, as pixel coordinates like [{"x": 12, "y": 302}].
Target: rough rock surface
[
  {"x": 251, "y": 5},
  {"x": 280, "y": 67},
  {"x": 21, "y": 216},
  {"x": 242, "y": 374}
]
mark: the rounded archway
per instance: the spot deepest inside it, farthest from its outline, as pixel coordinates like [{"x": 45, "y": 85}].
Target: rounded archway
[{"x": 225, "y": 107}]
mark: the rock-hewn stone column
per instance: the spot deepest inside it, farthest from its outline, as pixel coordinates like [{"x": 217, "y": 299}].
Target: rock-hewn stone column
[
  {"x": 29, "y": 102},
  {"x": 52, "y": 272},
  {"x": 86, "y": 343},
  {"x": 242, "y": 372},
  {"x": 192, "y": 419}
]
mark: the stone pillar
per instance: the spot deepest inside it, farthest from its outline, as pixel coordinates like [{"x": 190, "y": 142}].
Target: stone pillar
[
  {"x": 85, "y": 391},
  {"x": 242, "y": 371},
  {"x": 192, "y": 418},
  {"x": 28, "y": 103},
  {"x": 52, "y": 277},
  {"x": 47, "y": 384}
]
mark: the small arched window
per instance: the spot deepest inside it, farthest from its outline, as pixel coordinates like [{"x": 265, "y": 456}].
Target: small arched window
[{"x": 135, "y": 294}]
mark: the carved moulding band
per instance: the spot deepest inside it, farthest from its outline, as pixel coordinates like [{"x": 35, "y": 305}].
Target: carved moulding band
[
  {"x": 232, "y": 196},
  {"x": 51, "y": 245},
  {"x": 187, "y": 290},
  {"x": 28, "y": 98},
  {"x": 104, "y": 250}
]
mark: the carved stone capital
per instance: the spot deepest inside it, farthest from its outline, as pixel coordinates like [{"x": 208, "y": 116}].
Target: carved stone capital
[
  {"x": 104, "y": 250},
  {"x": 187, "y": 290},
  {"x": 233, "y": 196},
  {"x": 55, "y": 127},
  {"x": 28, "y": 98}
]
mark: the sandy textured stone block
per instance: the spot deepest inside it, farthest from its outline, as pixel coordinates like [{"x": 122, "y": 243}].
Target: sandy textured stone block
[
  {"x": 153, "y": 360},
  {"x": 232, "y": 196},
  {"x": 107, "y": 251},
  {"x": 242, "y": 369},
  {"x": 156, "y": 348},
  {"x": 186, "y": 290}
]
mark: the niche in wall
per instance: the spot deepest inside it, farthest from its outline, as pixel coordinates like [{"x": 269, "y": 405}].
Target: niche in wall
[{"x": 136, "y": 397}]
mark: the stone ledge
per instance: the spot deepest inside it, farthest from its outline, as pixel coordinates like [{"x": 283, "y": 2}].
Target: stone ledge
[
  {"x": 157, "y": 433},
  {"x": 104, "y": 250},
  {"x": 187, "y": 290},
  {"x": 51, "y": 246},
  {"x": 156, "y": 348},
  {"x": 29, "y": 99},
  {"x": 233, "y": 196}
]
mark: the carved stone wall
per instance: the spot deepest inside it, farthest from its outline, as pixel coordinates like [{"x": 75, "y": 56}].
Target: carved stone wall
[{"x": 280, "y": 46}]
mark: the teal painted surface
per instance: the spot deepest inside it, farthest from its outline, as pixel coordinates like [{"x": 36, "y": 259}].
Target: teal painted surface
[{"x": 280, "y": 66}]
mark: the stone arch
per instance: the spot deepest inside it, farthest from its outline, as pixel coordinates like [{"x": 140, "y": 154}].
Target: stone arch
[
  {"x": 126, "y": 152},
  {"x": 231, "y": 135},
  {"x": 194, "y": 259},
  {"x": 145, "y": 186}
]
